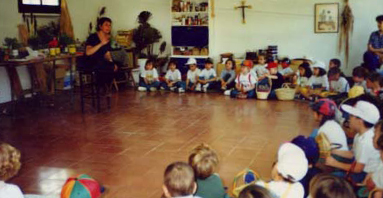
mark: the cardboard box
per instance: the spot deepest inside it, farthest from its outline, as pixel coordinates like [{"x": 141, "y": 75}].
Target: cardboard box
[
  {"x": 60, "y": 73},
  {"x": 60, "y": 83}
]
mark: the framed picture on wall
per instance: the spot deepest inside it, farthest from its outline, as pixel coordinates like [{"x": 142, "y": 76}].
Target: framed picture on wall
[{"x": 327, "y": 18}]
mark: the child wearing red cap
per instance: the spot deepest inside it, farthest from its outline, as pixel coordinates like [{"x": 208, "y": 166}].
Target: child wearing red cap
[
  {"x": 244, "y": 83},
  {"x": 276, "y": 79},
  {"x": 286, "y": 70}
]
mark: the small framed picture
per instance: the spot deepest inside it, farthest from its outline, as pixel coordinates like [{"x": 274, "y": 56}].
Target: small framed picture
[{"x": 327, "y": 18}]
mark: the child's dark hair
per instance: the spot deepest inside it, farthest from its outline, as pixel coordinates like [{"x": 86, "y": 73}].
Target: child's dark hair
[
  {"x": 322, "y": 71},
  {"x": 325, "y": 119},
  {"x": 306, "y": 67},
  {"x": 376, "y": 77},
  {"x": 360, "y": 72},
  {"x": 255, "y": 191},
  {"x": 173, "y": 62},
  {"x": 379, "y": 18},
  {"x": 337, "y": 62},
  {"x": 149, "y": 61},
  {"x": 380, "y": 139},
  {"x": 101, "y": 22},
  {"x": 334, "y": 71},
  {"x": 232, "y": 62},
  {"x": 329, "y": 186}
]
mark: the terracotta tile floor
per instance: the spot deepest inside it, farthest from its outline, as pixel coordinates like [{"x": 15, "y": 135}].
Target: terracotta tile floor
[{"x": 128, "y": 148}]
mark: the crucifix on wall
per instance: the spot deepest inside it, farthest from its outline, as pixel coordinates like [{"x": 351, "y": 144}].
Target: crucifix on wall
[{"x": 243, "y": 7}]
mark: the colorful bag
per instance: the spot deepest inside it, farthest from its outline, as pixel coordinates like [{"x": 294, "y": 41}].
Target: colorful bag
[{"x": 244, "y": 179}]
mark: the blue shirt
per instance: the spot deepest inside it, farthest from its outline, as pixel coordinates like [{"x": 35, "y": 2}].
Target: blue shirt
[{"x": 376, "y": 40}]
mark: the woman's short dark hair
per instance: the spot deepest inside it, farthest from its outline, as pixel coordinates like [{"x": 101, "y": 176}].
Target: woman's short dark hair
[
  {"x": 379, "y": 18},
  {"x": 360, "y": 72},
  {"x": 306, "y": 67},
  {"x": 322, "y": 71},
  {"x": 101, "y": 22},
  {"x": 233, "y": 63},
  {"x": 374, "y": 77},
  {"x": 337, "y": 62}
]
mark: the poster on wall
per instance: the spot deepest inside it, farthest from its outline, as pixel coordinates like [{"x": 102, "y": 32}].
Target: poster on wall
[{"x": 327, "y": 18}]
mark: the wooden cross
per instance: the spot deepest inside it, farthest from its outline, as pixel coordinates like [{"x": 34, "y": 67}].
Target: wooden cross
[{"x": 243, "y": 7}]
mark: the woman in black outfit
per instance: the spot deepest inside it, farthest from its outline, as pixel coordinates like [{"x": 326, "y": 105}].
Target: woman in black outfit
[{"x": 98, "y": 52}]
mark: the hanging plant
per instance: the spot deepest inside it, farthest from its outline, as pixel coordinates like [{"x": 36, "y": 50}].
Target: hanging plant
[{"x": 346, "y": 29}]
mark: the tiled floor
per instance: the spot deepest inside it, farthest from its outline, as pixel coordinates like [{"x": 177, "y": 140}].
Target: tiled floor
[{"x": 128, "y": 148}]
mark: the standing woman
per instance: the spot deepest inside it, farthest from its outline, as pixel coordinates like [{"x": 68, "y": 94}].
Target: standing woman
[{"x": 98, "y": 52}]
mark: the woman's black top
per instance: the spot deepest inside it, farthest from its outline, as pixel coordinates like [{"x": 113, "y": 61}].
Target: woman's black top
[{"x": 97, "y": 59}]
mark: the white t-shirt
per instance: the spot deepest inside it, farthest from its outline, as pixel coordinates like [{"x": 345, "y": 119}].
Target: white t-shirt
[
  {"x": 10, "y": 191},
  {"x": 362, "y": 84},
  {"x": 340, "y": 86},
  {"x": 286, "y": 71},
  {"x": 259, "y": 70},
  {"x": 208, "y": 74},
  {"x": 246, "y": 80},
  {"x": 377, "y": 176},
  {"x": 365, "y": 152},
  {"x": 284, "y": 189},
  {"x": 321, "y": 81},
  {"x": 150, "y": 74},
  {"x": 192, "y": 75},
  {"x": 173, "y": 76},
  {"x": 334, "y": 133}
]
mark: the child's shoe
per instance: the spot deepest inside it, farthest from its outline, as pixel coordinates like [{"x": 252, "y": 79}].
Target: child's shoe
[
  {"x": 153, "y": 89},
  {"x": 142, "y": 89},
  {"x": 180, "y": 90},
  {"x": 162, "y": 88},
  {"x": 198, "y": 88},
  {"x": 172, "y": 88},
  {"x": 227, "y": 92},
  {"x": 204, "y": 88}
]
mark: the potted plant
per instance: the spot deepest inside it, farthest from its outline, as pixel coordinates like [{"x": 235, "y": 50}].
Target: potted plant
[{"x": 145, "y": 37}]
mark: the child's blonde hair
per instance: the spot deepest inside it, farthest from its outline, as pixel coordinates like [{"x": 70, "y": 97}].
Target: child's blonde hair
[
  {"x": 204, "y": 161},
  {"x": 9, "y": 161},
  {"x": 179, "y": 179}
]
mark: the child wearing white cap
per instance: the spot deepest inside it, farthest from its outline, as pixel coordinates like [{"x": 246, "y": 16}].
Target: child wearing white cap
[
  {"x": 292, "y": 166},
  {"x": 363, "y": 117},
  {"x": 192, "y": 75},
  {"x": 319, "y": 78}
]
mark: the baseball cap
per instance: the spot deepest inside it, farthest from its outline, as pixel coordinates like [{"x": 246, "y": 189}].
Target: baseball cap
[
  {"x": 191, "y": 61},
  {"x": 285, "y": 62},
  {"x": 81, "y": 186},
  {"x": 363, "y": 110},
  {"x": 325, "y": 106},
  {"x": 292, "y": 162},
  {"x": 272, "y": 65},
  {"x": 355, "y": 91},
  {"x": 247, "y": 63},
  {"x": 319, "y": 64}
]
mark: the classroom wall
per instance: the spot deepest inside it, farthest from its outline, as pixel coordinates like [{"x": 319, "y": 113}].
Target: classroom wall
[{"x": 286, "y": 23}]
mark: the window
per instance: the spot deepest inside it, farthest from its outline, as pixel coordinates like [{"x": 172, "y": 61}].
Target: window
[{"x": 39, "y": 6}]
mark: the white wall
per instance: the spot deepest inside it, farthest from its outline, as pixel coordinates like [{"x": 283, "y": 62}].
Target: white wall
[{"x": 286, "y": 23}]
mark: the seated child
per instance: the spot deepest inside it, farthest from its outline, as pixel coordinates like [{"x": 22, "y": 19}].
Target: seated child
[
  {"x": 359, "y": 75},
  {"x": 192, "y": 75},
  {"x": 179, "y": 181},
  {"x": 276, "y": 79},
  {"x": 244, "y": 83},
  {"x": 338, "y": 83},
  {"x": 149, "y": 78},
  {"x": 204, "y": 161},
  {"x": 329, "y": 186},
  {"x": 363, "y": 117},
  {"x": 289, "y": 169},
  {"x": 260, "y": 70},
  {"x": 375, "y": 180},
  {"x": 9, "y": 167},
  {"x": 173, "y": 79},
  {"x": 318, "y": 82},
  {"x": 228, "y": 76},
  {"x": 286, "y": 70},
  {"x": 375, "y": 85},
  {"x": 207, "y": 77},
  {"x": 302, "y": 77},
  {"x": 254, "y": 191}
]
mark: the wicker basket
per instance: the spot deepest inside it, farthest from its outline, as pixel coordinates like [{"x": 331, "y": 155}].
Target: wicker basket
[
  {"x": 286, "y": 92},
  {"x": 244, "y": 179},
  {"x": 263, "y": 95}
]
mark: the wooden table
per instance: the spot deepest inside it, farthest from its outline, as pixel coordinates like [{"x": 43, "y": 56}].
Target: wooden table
[{"x": 16, "y": 89}]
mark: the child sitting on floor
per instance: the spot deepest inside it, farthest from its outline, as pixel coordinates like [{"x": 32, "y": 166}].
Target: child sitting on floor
[
  {"x": 228, "y": 76},
  {"x": 276, "y": 79},
  {"x": 329, "y": 186},
  {"x": 207, "y": 77},
  {"x": 9, "y": 167},
  {"x": 254, "y": 191},
  {"x": 286, "y": 70},
  {"x": 173, "y": 79},
  {"x": 204, "y": 161},
  {"x": 260, "y": 70},
  {"x": 179, "y": 181},
  {"x": 302, "y": 77},
  {"x": 192, "y": 75},
  {"x": 244, "y": 83},
  {"x": 289, "y": 169},
  {"x": 359, "y": 75},
  {"x": 363, "y": 117},
  {"x": 338, "y": 83},
  {"x": 375, "y": 85},
  {"x": 149, "y": 78},
  {"x": 318, "y": 81}
]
